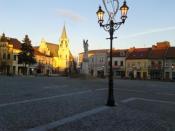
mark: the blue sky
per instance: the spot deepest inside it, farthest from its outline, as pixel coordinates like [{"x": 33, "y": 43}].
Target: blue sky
[{"x": 149, "y": 21}]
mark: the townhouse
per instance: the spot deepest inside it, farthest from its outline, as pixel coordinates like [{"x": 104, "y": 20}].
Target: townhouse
[
  {"x": 118, "y": 62},
  {"x": 170, "y": 64},
  {"x": 157, "y": 60},
  {"x": 137, "y": 63}
]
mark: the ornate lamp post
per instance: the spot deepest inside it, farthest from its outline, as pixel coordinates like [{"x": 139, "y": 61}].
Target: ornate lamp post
[{"x": 112, "y": 7}]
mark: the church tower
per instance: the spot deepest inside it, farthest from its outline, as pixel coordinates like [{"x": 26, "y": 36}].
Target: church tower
[{"x": 64, "y": 51}]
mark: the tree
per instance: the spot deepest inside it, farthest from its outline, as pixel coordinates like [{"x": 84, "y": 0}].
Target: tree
[{"x": 26, "y": 56}]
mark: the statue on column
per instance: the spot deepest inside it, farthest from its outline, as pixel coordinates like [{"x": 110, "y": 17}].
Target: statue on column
[
  {"x": 85, "y": 64},
  {"x": 85, "y": 55},
  {"x": 85, "y": 43}
]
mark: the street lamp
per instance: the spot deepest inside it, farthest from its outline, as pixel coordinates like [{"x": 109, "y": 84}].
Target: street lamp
[{"x": 111, "y": 27}]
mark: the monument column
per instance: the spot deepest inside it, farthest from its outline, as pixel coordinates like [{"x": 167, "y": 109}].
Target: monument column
[{"x": 85, "y": 64}]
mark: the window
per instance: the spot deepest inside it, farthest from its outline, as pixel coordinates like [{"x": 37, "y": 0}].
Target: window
[
  {"x": 8, "y": 57},
  {"x": 101, "y": 59},
  {"x": 122, "y": 53},
  {"x": 121, "y": 63},
  {"x": 14, "y": 57},
  {"x": 116, "y": 63},
  {"x": 152, "y": 63},
  {"x": 4, "y": 56}
]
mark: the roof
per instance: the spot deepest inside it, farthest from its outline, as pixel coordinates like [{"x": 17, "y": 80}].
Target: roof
[
  {"x": 139, "y": 53},
  {"x": 119, "y": 53},
  {"x": 157, "y": 53},
  {"x": 12, "y": 41},
  {"x": 64, "y": 34},
  {"x": 36, "y": 52},
  {"x": 96, "y": 51},
  {"x": 53, "y": 49},
  {"x": 15, "y": 42},
  {"x": 170, "y": 53}
]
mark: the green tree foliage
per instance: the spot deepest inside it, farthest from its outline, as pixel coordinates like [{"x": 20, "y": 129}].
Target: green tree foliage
[{"x": 27, "y": 52}]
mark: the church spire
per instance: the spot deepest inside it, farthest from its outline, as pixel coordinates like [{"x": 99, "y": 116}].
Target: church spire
[{"x": 64, "y": 34}]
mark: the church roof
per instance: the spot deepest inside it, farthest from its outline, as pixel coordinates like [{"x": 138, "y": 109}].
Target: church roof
[
  {"x": 53, "y": 49},
  {"x": 37, "y": 52},
  {"x": 64, "y": 34}
]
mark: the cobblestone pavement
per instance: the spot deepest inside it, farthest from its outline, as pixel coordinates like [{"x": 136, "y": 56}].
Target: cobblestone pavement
[
  {"x": 64, "y": 104},
  {"x": 121, "y": 118}
]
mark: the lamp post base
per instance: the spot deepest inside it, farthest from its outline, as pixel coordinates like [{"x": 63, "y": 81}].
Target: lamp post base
[{"x": 110, "y": 103}]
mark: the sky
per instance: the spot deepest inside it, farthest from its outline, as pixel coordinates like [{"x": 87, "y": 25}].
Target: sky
[{"x": 149, "y": 21}]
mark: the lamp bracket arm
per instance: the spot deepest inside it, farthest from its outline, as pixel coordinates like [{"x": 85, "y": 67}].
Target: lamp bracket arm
[
  {"x": 106, "y": 27},
  {"x": 117, "y": 25}
]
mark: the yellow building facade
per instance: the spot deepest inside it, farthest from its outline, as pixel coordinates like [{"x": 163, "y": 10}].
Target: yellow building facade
[
  {"x": 59, "y": 53},
  {"x": 137, "y": 63},
  {"x": 138, "y": 68},
  {"x": 9, "y": 50}
]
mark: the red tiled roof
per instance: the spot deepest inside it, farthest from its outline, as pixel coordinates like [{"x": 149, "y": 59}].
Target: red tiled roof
[
  {"x": 157, "y": 53},
  {"x": 119, "y": 53},
  {"x": 139, "y": 53},
  {"x": 170, "y": 53}
]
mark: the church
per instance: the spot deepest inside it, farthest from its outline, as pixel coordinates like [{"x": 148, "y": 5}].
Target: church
[{"x": 60, "y": 55}]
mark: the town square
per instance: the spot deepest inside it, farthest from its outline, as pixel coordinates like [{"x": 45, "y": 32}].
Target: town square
[
  {"x": 66, "y": 104},
  {"x": 106, "y": 65}
]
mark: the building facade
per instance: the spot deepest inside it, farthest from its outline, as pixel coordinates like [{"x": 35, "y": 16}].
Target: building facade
[
  {"x": 97, "y": 62},
  {"x": 9, "y": 49},
  {"x": 137, "y": 63},
  {"x": 157, "y": 60},
  {"x": 170, "y": 64},
  {"x": 50, "y": 57},
  {"x": 118, "y": 63}
]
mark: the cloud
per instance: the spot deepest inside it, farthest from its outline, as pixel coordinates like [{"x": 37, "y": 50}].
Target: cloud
[
  {"x": 158, "y": 30},
  {"x": 71, "y": 15}
]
